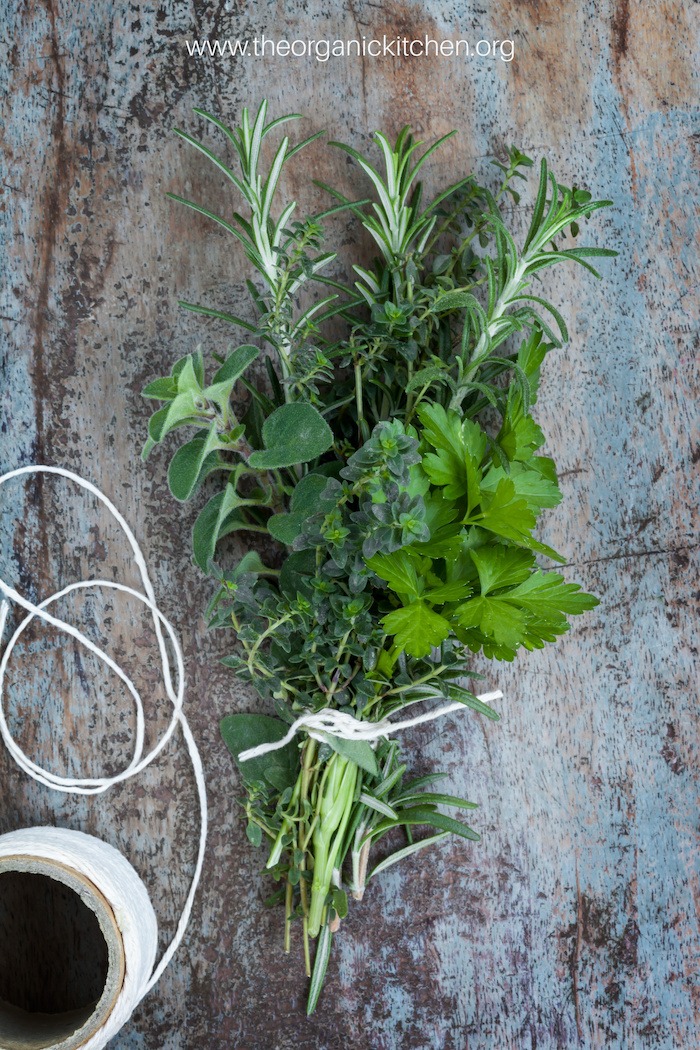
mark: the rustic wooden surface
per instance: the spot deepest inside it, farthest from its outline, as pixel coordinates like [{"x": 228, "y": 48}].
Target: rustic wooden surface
[{"x": 575, "y": 921}]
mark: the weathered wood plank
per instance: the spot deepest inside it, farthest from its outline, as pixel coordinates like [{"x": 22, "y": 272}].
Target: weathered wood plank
[{"x": 575, "y": 921}]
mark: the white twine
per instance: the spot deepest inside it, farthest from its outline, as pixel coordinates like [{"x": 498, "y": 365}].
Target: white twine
[
  {"x": 330, "y": 722},
  {"x": 113, "y": 876},
  {"x": 130, "y": 912}
]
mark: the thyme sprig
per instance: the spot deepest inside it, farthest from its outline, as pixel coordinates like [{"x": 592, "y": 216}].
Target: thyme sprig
[{"x": 397, "y": 475}]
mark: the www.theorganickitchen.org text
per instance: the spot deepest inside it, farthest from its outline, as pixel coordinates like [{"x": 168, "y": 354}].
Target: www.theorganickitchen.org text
[{"x": 324, "y": 49}]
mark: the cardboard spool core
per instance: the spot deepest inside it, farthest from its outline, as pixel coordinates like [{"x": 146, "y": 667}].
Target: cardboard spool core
[{"x": 62, "y": 960}]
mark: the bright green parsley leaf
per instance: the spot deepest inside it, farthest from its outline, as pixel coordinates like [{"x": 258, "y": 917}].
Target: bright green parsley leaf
[
  {"x": 530, "y": 614},
  {"x": 505, "y": 513},
  {"x": 439, "y": 512},
  {"x": 417, "y": 628},
  {"x": 460, "y": 448},
  {"x": 496, "y": 618},
  {"x": 442, "y": 429},
  {"x": 444, "y": 469},
  {"x": 500, "y": 567},
  {"x": 532, "y": 484},
  {"x": 400, "y": 571},
  {"x": 547, "y": 594},
  {"x": 477, "y": 642},
  {"x": 509, "y": 515},
  {"x": 449, "y": 592},
  {"x": 519, "y": 437}
]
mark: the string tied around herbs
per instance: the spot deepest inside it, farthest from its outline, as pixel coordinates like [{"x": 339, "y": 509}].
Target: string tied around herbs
[{"x": 319, "y": 725}]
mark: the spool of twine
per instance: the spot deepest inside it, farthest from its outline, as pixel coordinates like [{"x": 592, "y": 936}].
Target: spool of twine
[
  {"x": 102, "y": 910},
  {"x": 78, "y": 933}
]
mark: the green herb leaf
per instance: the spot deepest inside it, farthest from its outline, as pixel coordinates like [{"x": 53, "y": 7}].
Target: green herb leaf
[
  {"x": 547, "y": 594},
  {"x": 219, "y": 517},
  {"x": 464, "y": 696},
  {"x": 306, "y": 500},
  {"x": 400, "y": 571},
  {"x": 254, "y": 833},
  {"x": 496, "y": 618},
  {"x": 407, "y": 851},
  {"x": 162, "y": 389},
  {"x": 358, "y": 751},
  {"x": 340, "y": 902},
  {"x": 236, "y": 363},
  {"x": 501, "y": 566},
  {"x": 192, "y": 463},
  {"x": 294, "y": 433},
  {"x": 323, "y": 952},
  {"x": 417, "y": 628},
  {"x": 418, "y": 815},
  {"x": 279, "y": 768}
]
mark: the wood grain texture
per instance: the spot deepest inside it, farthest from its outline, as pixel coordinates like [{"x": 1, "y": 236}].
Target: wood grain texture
[{"x": 575, "y": 921}]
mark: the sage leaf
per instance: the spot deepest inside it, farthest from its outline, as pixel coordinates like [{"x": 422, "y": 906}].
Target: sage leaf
[
  {"x": 192, "y": 463},
  {"x": 306, "y": 500},
  {"x": 279, "y": 768},
  {"x": 236, "y": 363},
  {"x": 216, "y": 519},
  {"x": 294, "y": 433}
]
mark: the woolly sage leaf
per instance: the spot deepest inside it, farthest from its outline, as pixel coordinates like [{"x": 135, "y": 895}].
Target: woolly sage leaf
[
  {"x": 236, "y": 363},
  {"x": 191, "y": 464},
  {"x": 180, "y": 411},
  {"x": 189, "y": 373},
  {"x": 306, "y": 500},
  {"x": 294, "y": 433},
  {"x": 279, "y": 768},
  {"x": 162, "y": 389},
  {"x": 296, "y": 573},
  {"x": 215, "y": 520}
]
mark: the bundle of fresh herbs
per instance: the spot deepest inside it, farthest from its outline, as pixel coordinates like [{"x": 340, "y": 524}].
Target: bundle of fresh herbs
[{"x": 394, "y": 476}]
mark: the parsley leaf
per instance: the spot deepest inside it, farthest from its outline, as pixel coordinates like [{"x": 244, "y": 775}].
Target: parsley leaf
[
  {"x": 496, "y": 618},
  {"x": 417, "y": 628},
  {"x": 501, "y": 566},
  {"x": 547, "y": 594},
  {"x": 400, "y": 571}
]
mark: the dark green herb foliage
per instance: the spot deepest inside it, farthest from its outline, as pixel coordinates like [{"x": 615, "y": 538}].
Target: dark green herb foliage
[{"x": 398, "y": 477}]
